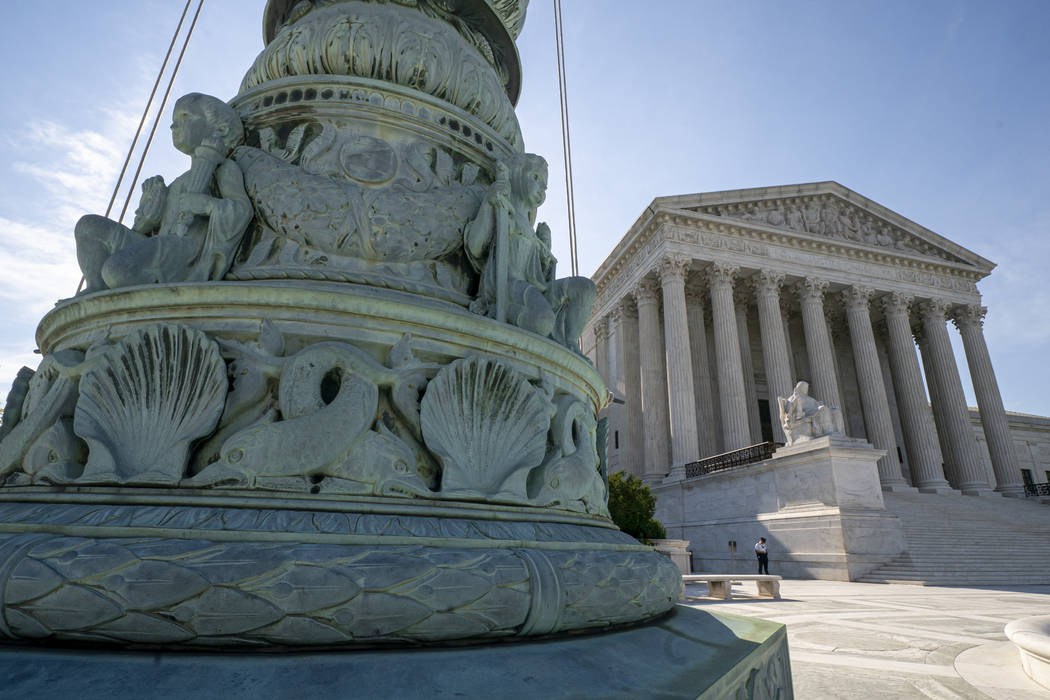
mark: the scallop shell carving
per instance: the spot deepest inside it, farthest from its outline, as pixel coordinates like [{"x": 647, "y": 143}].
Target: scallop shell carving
[
  {"x": 488, "y": 426},
  {"x": 146, "y": 401}
]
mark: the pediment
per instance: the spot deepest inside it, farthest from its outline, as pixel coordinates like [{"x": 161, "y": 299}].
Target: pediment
[{"x": 829, "y": 210}]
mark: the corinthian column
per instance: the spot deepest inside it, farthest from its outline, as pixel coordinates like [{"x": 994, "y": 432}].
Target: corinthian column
[
  {"x": 924, "y": 453},
  {"x": 634, "y": 435},
  {"x": 968, "y": 468},
  {"x": 747, "y": 362},
  {"x": 684, "y": 444},
  {"x": 705, "y": 418},
  {"x": 774, "y": 345},
  {"x": 970, "y": 320},
  {"x": 601, "y": 347},
  {"x": 818, "y": 344},
  {"x": 654, "y": 379},
  {"x": 877, "y": 422},
  {"x": 735, "y": 429}
]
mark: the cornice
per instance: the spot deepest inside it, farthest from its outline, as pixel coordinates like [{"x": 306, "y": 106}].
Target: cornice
[
  {"x": 649, "y": 224},
  {"x": 757, "y": 194}
]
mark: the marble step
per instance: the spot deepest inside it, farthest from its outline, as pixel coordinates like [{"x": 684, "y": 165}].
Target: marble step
[{"x": 961, "y": 540}]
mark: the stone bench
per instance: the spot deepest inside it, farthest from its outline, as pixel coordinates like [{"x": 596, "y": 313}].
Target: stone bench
[{"x": 721, "y": 585}]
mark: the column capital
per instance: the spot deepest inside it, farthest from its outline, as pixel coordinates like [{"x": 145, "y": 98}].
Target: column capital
[
  {"x": 616, "y": 314},
  {"x": 673, "y": 268},
  {"x": 601, "y": 329},
  {"x": 767, "y": 283},
  {"x": 857, "y": 298},
  {"x": 917, "y": 331},
  {"x": 647, "y": 291},
  {"x": 897, "y": 303},
  {"x": 628, "y": 306},
  {"x": 720, "y": 273},
  {"x": 811, "y": 289},
  {"x": 695, "y": 292},
  {"x": 935, "y": 310},
  {"x": 838, "y": 325},
  {"x": 971, "y": 315},
  {"x": 743, "y": 293}
]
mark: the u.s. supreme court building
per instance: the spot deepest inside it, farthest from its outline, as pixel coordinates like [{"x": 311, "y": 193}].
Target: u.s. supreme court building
[{"x": 715, "y": 304}]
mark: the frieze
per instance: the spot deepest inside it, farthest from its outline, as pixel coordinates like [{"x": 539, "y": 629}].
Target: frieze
[{"x": 827, "y": 216}]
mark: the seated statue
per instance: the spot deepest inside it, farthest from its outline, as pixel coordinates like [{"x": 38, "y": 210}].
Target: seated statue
[
  {"x": 803, "y": 418},
  {"x": 518, "y": 283},
  {"x": 187, "y": 231}
]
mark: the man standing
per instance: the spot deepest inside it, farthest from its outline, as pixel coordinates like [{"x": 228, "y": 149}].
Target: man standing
[{"x": 763, "y": 555}]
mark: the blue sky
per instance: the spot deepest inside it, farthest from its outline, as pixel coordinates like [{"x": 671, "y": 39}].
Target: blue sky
[{"x": 937, "y": 109}]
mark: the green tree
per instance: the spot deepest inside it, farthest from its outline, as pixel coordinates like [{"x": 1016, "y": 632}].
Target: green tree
[{"x": 631, "y": 506}]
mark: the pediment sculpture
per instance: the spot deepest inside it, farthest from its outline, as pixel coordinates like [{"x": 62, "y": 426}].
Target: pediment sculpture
[{"x": 830, "y": 217}]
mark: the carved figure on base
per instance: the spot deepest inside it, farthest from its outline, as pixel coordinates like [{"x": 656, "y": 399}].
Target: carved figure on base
[
  {"x": 183, "y": 232},
  {"x": 804, "y": 418},
  {"x": 518, "y": 283}
]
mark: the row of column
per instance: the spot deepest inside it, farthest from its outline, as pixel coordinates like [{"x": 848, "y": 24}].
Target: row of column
[{"x": 665, "y": 375}]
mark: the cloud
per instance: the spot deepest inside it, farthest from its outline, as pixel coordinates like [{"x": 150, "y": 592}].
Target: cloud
[
  {"x": 67, "y": 172},
  {"x": 1016, "y": 294},
  {"x": 74, "y": 169}
]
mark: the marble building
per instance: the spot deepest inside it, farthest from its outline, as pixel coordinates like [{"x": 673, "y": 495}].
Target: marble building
[{"x": 714, "y": 304}]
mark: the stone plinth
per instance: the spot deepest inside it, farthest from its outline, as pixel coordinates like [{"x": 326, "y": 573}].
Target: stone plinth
[
  {"x": 679, "y": 552},
  {"x": 1031, "y": 636},
  {"x": 818, "y": 503},
  {"x": 700, "y": 655}
]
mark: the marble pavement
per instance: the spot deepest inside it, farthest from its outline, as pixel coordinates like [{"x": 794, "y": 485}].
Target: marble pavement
[{"x": 857, "y": 640}]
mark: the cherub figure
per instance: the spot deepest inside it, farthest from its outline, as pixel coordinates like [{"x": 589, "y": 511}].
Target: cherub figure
[
  {"x": 183, "y": 232},
  {"x": 518, "y": 283}
]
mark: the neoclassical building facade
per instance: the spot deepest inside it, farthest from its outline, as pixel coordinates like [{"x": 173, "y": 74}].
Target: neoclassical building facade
[{"x": 715, "y": 304}]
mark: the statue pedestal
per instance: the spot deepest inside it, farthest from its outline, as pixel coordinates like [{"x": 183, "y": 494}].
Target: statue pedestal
[
  {"x": 678, "y": 551},
  {"x": 828, "y": 471},
  {"x": 818, "y": 503},
  {"x": 692, "y": 654}
]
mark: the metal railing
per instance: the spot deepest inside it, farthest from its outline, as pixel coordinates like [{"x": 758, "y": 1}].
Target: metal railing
[
  {"x": 1037, "y": 489},
  {"x": 732, "y": 460}
]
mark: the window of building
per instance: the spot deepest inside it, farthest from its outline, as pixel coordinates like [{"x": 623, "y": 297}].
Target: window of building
[{"x": 1026, "y": 476}]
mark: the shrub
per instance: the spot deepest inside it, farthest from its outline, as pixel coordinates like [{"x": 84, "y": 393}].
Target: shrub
[{"x": 631, "y": 506}]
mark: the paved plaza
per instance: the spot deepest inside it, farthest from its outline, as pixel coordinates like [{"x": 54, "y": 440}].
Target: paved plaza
[{"x": 859, "y": 640}]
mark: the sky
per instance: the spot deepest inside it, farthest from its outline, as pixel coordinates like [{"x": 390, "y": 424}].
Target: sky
[{"x": 937, "y": 109}]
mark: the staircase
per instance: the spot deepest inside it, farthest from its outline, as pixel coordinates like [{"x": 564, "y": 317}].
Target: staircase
[{"x": 955, "y": 540}]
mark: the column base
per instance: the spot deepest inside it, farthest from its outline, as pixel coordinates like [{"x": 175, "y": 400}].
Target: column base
[
  {"x": 937, "y": 489},
  {"x": 978, "y": 491},
  {"x": 1011, "y": 491},
  {"x": 676, "y": 474},
  {"x": 899, "y": 488}
]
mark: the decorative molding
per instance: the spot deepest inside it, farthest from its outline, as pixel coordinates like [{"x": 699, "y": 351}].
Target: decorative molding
[
  {"x": 767, "y": 283},
  {"x": 897, "y": 303},
  {"x": 811, "y": 289},
  {"x": 722, "y": 273},
  {"x": 647, "y": 291},
  {"x": 739, "y": 238},
  {"x": 696, "y": 290},
  {"x": 674, "y": 268},
  {"x": 857, "y": 298},
  {"x": 828, "y": 216},
  {"x": 935, "y": 310},
  {"x": 969, "y": 316}
]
